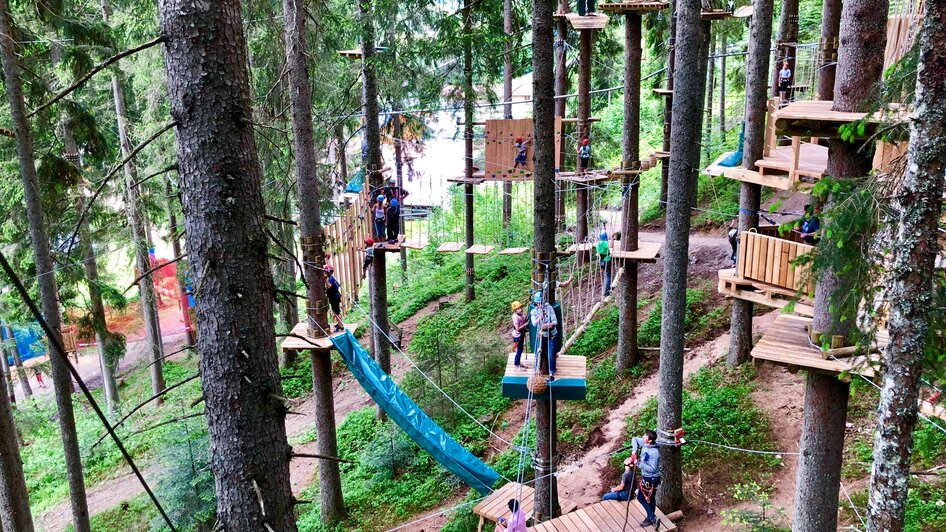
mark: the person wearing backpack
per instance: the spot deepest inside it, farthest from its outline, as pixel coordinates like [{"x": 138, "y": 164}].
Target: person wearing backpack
[{"x": 603, "y": 249}]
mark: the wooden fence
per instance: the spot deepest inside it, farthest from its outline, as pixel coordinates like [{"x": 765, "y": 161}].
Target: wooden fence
[
  {"x": 769, "y": 260},
  {"x": 344, "y": 240}
]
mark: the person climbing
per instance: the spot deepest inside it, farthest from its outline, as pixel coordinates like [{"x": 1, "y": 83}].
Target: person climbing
[
  {"x": 603, "y": 249},
  {"x": 519, "y": 325},
  {"x": 392, "y": 191},
  {"x": 784, "y": 78},
  {"x": 544, "y": 320},
  {"x": 369, "y": 256},
  {"x": 649, "y": 465},
  {"x": 520, "y": 153},
  {"x": 334, "y": 294},
  {"x": 393, "y": 220},
  {"x": 377, "y": 209},
  {"x": 584, "y": 155},
  {"x": 586, "y": 7},
  {"x": 733, "y": 235},
  {"x": 623, "y": 491},
  {"x": 810, "y": 225},
  {"x": 516, "y": 522}
]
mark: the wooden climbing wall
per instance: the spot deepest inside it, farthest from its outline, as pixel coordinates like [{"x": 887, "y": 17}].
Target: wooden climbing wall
[
  {"x": 769, "y": 260},
  {"x": 344, "y": 239},
  {"x": 501, "y": 148}
]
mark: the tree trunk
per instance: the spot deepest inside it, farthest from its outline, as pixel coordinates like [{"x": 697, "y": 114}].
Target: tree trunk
[
  {"x": 14, "y": 498},
  {"x": 507, "y": 99},
  {"x": 627, "y": 353},
  {"x": 584, "y": 130},
  {"x": 686, "y": 141},
  {"x": 863, "y": 36},
  {"x": 46, "y": 279},
  {"x": 830, "y": 26},
  {"x": 561, "y": 89},
  {"x": 20, "y": 371},
  {"x": 342, "y": 153},
  {"x": 5, "y": 372},
  {"x": 310, "y": 225},
  {"x": 750, "y": 194},
  {"x": 174, "y": 235},
  {"x": 710, "y": 85},
  {"x": 399, "y": 169},
  {"x": 706, "y": 31},
  {"x": 543, "y": 112},
  {"x": 378, "y": 281},
  {"x": 787, "y": 39},
  {"x": 918, "y": 205},
  {"x": 668, "y": 106},
  {"x": 468, "y": 100},
  {"x": 722, "y": 83},
  {"x": 223, "y": 213}
]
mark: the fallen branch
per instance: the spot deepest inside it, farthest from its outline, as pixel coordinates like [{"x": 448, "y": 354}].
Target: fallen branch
[
  {"x": 152, "y": 270},
  {"x": 98, "y": 68}
]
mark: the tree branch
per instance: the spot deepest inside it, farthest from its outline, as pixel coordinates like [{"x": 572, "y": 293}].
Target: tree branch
[
  {"x": 280, "y": 220},
  {"x": 281, "y": 246},
  {"x": 168, "y": 422},
  {"x": 152, "y": 270},
  {"x": 171, "y": 168},
  {"x": 98, "y": 68},
  {"x": 321, "y": 457}
]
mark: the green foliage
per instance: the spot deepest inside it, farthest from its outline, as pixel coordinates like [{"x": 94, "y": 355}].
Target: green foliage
[
  {"x": 186, "y": 488},
  {"x": 762, "y": 520},
  {"x": 134, "y": 515},
  {"x": 297, "y": 378},
  {"x": 649, "y": 332},
  {"x": 600, "y": 335},
  {"x": 929, "y": 443}
]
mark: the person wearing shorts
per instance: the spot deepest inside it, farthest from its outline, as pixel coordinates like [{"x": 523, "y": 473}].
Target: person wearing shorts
[
  {"x": 784, "y": 79},
  {"x": 334, "y": 294}
]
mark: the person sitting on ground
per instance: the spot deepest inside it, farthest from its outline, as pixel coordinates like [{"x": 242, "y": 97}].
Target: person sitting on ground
[
  {"x": 784, "y": 79},
  {"x": 393, "y": 220},
  {"x": 649, "y": 464},
  {"x": 584, "y": 155},
  {"x": 334, "y": 294},
  {"x": 520, "y": 154},
  {"x": 543, "y": 318},
  {"x": 516, "y": 522},
  {"x": 377, "y": 211},
  {"x": 623, "y": 491},
  {"x": 810, "y": 225},
  {"x": 369, "y": 256},
  {"x": 519, "y": 325},
  {"x": 603, "y": 249}
]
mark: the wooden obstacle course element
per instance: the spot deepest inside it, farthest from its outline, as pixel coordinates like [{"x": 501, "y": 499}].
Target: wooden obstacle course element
[
  {"x": 501, "y": 148},
  {"x": 477, "y": 179},
  {"x": 351, "y": 54},
  {"x": 70, "y": 343},
  {"x": 605, "y": 516},
  {"x": 815, "y": 118},
  {"x": 629, "y": 7},
  {"x": 414, "y": 244},
  {"x": 597, "y": 21},
  {"x": 451, "y": 247},
  {"x": 769, "y": 260},
  {"x": 389, "y": 247},
  {"x": 646, "y": 252},
  {"x": 569, "y": 383},
  {"x": 575, "y": 120},
  {"x": 715, "y": 14},
  {"x": 663, "y": 92},
  {"x": 578, "y": 248},
  {"x": 514, "y": 251},
  {"x": 479, "y": 249},
  {"x": 786, "y": 343},
  {"x": 759, "y": 293},
  {"x": 301, "y": 341},
  {"x": 344, "y": 239},
  {"x": 589, "y": 177},
  {"x": 496, "y": 504}
]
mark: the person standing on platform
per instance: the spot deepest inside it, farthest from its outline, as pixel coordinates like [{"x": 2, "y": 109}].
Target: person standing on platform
[
  {"x": 545, "y": 322},
  {"x": 393, "y": 220},
  {"x": 334, "y": 294},
  {"x": 784, "y": 79},
  {"x": 649, "y": 464},
  {"x": 586, "y": 7},
  {"x": 377, "y": 215},
  {"x": 584, "y": 155},
  {"x": 519, "y": 325},
  {"x": 810, "y": 225},
  {"x": 603, "y": 249}
]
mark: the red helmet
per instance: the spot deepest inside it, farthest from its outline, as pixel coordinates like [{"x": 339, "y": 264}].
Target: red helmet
[
  {"x": 584, "y": 142},
  {"x": 369, "y": 241},
  {"x": 518, "y": 139},
  {"x": 328, "y": 268}
]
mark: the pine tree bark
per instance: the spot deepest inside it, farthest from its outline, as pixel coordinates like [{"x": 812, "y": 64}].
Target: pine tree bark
[
  {"x": 722, "y": 82},
  {"x": 378, "y": 282},
  {"x": 627, "y": 354},
  {"x": 786, "y": 42},
  {"x": 5, "y": 372},
  {"x": 688, "y": 89},
  {"x": 18, "y": 362},
  {"x": 208, "y": 84},
  {"x": 561, "y": 89},
  {"x": 543, "y": 113},
  {"x": 668, "y": 106},
  {"x": 830, "y": 26},
  {"x": 710, "y": 86},
  {"x": 310, "y": 225},
  {"x": 507, "y": 99},
  {"x": 860, "y": 58},
  {"x": 14, "y": 499},
  {"x": 918, "y": 204},
  {"x": 750, "y": 194},
  {"x": 706, "y": 32},
  {"x": 48, "y": 290},
  {"x": 469, "y": 98}
]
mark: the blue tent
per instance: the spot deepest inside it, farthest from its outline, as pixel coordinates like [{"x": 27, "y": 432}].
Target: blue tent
[{"x": 30, "y": 341}]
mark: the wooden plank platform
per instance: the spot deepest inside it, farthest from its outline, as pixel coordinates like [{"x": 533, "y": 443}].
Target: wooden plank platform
[
  {"x": 388, "y": 247},
  {"x": 786, "y": 343},
  {"x": 633, "y": 6},
  {"x": 464, "y": 181},
  {"x": 350, "y": 54},
  {"x": 814, "y": 118},
  {"x": 479, "y": 249},
  {"x": 301, "y": 340},
  {"x": 731, "y": 285},
  {"x": 414, "y": 244},
  {"x": 597, "y": 21},
  {"x": 585, "y": 246},
  {"x": 646, "y": 252},
  {"x": 715, "y": 14},
  {"x": 451, "y": 247},
  {"x": 569, "y": 383},
  {"x": 496, "y": 504},
  {"x": 663, "y": 92},
  {"x": 605, "y": 516},
  {"x": 589, "y": 177},
  {"x": 514, "y": 251},
  {"x": 806, "y": 160}
]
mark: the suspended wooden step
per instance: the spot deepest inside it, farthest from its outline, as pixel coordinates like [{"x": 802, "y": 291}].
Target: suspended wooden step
[
  {"x": 661, "y": 154},
  {"x": 414, "y": 244},
  {"x": 583, "y": 247},
  {"x": 596, "y": 21},
  {"x": 477, "y": 179},
  {"x": 496, "y": 504},
  {"x": 590, "y": 177},
  {"x": 569, "y": 384},
  {"x": 451, "y": 247},
  {"x": 715, "y": 14},
  {"x": 479, "y": 249},
  {"x": 514, "y": 251},
  {"x": 645, "y": 252},
  {"x": 633, "y": 6},
  {"x": 574, "y": 120},
  {"x": 606, "y": 515},
  {"x": 663, "y": 92},
  {"x": 301, "y": 340}
]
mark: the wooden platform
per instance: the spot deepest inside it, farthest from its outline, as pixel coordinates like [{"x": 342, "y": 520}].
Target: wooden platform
[
  {"x": 387, "y": 247},
  {"x": 350, "y": 54},
  {"x": 632, "y": 6},
  {"x": 761, "y": 293},
  {"x": 575, "y": 248},
  {"x": 786, "y": 343},
  {"x": 569, "y": 383},
  {"x": 814, "y": 118},
  {"x": 597, "y": 21},
  {"x": 301, "y": 341},
  {"x": 477, "y": 179},
  {"x": 514, "y": 251},
  {"x": 646, "y": 252},
  {"x": 479, "y": 249},
  {"x": 663, "y": 92},
  {"x": 414, "y": 244},
  {"x": 605, "y": 516},
  {"x": 496, "y": 505},
  {"x": 796, "y": 167},
  {"x": 715, "y": 14},
  {"x": 451, "y": 247},
  {"x": 589, "y": 177}
]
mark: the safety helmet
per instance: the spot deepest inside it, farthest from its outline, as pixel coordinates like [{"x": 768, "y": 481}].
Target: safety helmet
[
  {"x": 392, "y": 181},
  {"x": 603, "y": 235},
  {"x": 584, "y": 142},
  {"x": 369, "y": 241},
  {"x": 380, "y": 197},
  {"x": 518, "y": 139},
  {"x": 537, "y": 297},
  {"x": 395, "y": 202},
  {"x": 328, "y": 268},
  {"x": 516, "y": 305}
]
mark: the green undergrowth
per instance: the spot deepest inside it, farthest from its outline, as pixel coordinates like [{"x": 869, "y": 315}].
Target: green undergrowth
[
  {"x": 134, "y": 515},
  {"x": 717, "y": 407},
  {"x": 926, "y": 507}
]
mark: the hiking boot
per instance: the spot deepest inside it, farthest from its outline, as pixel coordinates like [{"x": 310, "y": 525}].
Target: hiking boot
[{"x": 647, "y": 522}]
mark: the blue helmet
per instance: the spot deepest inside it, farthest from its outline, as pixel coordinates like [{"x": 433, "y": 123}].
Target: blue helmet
[
  {"x": 380, "y": 198},
  {"x": 603, "y": 235},
  {"x": 394, "y": 202},
  {"x": 537, "y": 297}
]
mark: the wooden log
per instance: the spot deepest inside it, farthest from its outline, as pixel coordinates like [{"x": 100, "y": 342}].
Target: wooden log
[{"x": 675, "y": 516}]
